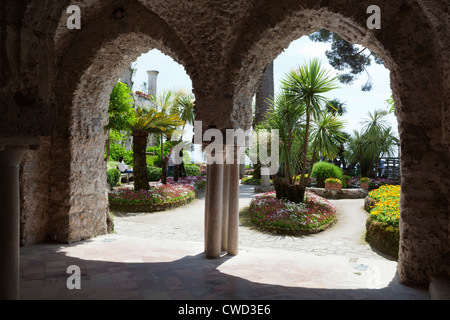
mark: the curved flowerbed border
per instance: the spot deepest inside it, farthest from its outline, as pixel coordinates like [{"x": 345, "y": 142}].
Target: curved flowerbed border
[
  {"x": 279, "y": 206},
  {"x": 380, "y": 234},
  {"x": 136, "y": 202}
]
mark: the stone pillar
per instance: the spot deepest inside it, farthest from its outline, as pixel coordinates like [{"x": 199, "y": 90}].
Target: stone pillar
[
  {"x": 152, "y": 82},
  {"x": 11, "y": 154},
  {"x": 213, "y": 211},
  {"x": 265, "y": 179},
  {"x": 233, "y": 210},
  {"x": 225, "y": 201}
]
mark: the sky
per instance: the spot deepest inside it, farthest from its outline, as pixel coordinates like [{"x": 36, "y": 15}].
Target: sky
[{"x": 358, "y": 103}]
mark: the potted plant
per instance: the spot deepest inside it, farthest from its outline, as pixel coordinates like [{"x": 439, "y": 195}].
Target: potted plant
[
  {"x": 333, "y": 184},
  {"x": 364, "y": 183}
]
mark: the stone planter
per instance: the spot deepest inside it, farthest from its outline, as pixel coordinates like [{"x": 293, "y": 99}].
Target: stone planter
[{"x": 333, "y": 186}]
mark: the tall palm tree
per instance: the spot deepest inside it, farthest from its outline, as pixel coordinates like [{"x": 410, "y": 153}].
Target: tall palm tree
[
  {"x": 326, "y": 135},
  {"x": 375, "y": 141},
  {"x": 288, "y": 120},
  {"x": 306, "y": 86},
  {"x": 186, "y": 108},
  {"x": 148, "y": 121}
]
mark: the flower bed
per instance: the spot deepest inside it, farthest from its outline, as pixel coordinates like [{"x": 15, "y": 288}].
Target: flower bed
[
  {"x": 386, "y": 204},
  {"x": 158, "y": 198},
  {"x": 250, "y": 181},
  {"x": 285, "y": 217},
  {"x": 197, "y": 182},
  {"x": 382, "y": 225}
]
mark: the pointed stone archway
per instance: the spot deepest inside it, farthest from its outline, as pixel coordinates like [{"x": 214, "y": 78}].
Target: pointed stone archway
[{"x": 55, "y": 83}]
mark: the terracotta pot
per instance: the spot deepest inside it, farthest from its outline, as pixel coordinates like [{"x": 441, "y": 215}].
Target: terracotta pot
[
  {"x": 333, "y": 186},
  {"x": 364, "y": 185}
]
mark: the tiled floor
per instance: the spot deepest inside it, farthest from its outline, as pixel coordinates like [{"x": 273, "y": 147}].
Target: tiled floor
[
  {"x": 160, "y": 256},
  {"x": 120, "y": 267}
]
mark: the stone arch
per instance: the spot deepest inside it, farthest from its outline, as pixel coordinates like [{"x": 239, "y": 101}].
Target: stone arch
[
  {"x": 88, "y": 66},
  {"x": 414, "y": 64}
]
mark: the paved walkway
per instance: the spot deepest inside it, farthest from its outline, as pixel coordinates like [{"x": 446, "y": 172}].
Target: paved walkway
[{"x": 160, "y": 256}]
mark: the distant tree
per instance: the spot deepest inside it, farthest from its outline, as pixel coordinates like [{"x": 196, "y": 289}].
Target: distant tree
[
  {"x": 121, "y": 112},
  {"x": 347, "y": 58},
  {"x": 336, "y": 107}
]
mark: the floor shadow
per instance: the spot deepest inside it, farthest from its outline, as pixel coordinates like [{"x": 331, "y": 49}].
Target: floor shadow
[{"x": 44, "y": 277}]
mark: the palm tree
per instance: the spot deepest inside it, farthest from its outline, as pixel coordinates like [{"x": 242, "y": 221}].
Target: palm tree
[
  {"x": 305, "y": 86},
  {"x": 375, "y": 141},
  {"x": 148, "y": 121},
  {"x": 288, "y": 120},
  {"x": 326, "y": 135},
  {"x": 336, "y": 107},
  {"x": 186, "y": 108}
]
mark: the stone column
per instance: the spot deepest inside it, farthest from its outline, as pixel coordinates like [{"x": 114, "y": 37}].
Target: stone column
[
  {"x": 213, "y": 210},
  {"x": 11, "y": 154},
  {"x": 233, "y": 210},
  {"x": 225, "y": 205},
  {"x": 152, "y": 82},
  {"x": 265, "y": 179}
]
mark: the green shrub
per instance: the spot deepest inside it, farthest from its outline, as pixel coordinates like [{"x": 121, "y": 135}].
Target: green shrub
[
  {"x": 128, "y": 158},
  {"x": 116, "y": 151},
  {"x": 324, "y": 170},
  {"x": 112, "y": 165},
  {"x": 113, "y": 177},
  {"x": 154, "y": 173},
  {"x": 192, "y": 170}
]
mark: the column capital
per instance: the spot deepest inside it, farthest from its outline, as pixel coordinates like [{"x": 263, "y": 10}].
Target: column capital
[
  {"x": 31, "y": 143},
  {"x": 13, "y": 149}
]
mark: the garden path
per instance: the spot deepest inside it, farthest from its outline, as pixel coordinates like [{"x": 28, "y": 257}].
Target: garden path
[{"x": 345, "y": 238}]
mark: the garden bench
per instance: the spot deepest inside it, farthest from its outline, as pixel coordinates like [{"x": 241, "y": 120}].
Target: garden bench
[{"x": 125, "y": 175}]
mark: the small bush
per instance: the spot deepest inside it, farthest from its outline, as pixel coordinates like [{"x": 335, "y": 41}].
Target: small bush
[
  {"x": 192, "y": 170},
  {"x": 154, "y": 173},
  {"x": 116, "y": 151},
  {"x": 113, "y": 177},
  {"x": 324, "y": 170}
]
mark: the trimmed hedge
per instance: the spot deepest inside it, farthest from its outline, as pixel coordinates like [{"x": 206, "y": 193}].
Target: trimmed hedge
[
  {"x": 113, "y": 177},
  {"x": 154, "y": 173},
  {"x": 324, "y": 170},
  {"x": 192, "y": 170}
]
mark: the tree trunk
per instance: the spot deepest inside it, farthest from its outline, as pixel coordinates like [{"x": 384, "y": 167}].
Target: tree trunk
[
  {"x": 305, "y": 150},
  {"x": 108, "y": 149},
  {"x": 265, "y": 91},
  {"x": 140, "y": 165},
  {"x": 165, "y": 163}
]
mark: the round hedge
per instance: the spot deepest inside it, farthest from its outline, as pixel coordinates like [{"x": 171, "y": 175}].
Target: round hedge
[
  {"x": 113, "y": 177},
  {"x": 324, "y": 170}
]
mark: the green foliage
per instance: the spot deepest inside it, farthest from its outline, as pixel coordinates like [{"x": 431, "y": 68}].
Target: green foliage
[
  {"x": 347, "y": 58},
  {"x": 116, "y": 151},
  {"x": 113, "y": 177},
  {"x": 121, "y": 113},
  {"x": 154, "y": 173},
  {"x": 374, "y": 142},
  {"x": 128, "y": 158},
  {"x": 111, "y": 165},
  {"x": 192, "y": 170},
  {"x": 324, "y": 170}
]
